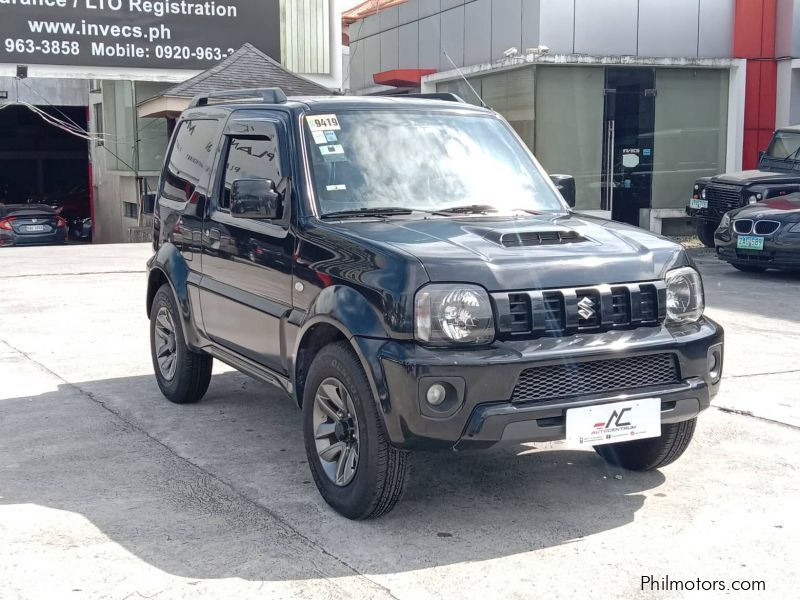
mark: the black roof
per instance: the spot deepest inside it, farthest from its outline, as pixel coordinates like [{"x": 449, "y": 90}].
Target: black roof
[
  {"x": 334, "y": 103},
  {"x": 8, "y": 209}
]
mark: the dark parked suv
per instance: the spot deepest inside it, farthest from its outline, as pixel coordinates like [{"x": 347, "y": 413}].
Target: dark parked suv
[
  {"x": 778, "y": 174},
  {"x": 406, "y": 270}
]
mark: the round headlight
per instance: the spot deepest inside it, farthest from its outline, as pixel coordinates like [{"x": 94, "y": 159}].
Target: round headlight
[
  {"x": 752, "y": 200},
  {"x": 446, "y": 313},
  {"x": 685, "y": 299}
]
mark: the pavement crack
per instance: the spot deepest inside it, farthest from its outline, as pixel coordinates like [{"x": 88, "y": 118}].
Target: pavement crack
[
  {"x": 747, "y": 413},
  {"x": 788, "y": 372},
  {"x": 72, "y": 274},
  {"x": 255, "y": 504}
]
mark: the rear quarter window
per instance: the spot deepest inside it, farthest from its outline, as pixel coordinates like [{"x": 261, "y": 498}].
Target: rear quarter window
[{"x": 190, "y": 160}]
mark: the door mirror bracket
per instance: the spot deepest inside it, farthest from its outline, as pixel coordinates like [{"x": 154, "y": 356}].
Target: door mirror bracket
[{"x": 256, "y": 199}]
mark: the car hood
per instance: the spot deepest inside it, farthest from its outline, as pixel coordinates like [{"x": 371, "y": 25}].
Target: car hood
[
  {"x": 593, "y": 251},
  {"x": 755, "y": 176},
  {"x": 782, "y": 208}
]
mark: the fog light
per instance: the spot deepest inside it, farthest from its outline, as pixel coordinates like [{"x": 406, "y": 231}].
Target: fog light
[
  {"x": 436, "y": 394},
  {"x": 715, "y": 365}
]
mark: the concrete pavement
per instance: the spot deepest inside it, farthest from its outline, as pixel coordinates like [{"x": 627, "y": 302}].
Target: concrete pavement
[{"x": 109, "y": 491}]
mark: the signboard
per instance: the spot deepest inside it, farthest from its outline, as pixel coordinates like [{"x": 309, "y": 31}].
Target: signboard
[{"x": 165, "y": 34}]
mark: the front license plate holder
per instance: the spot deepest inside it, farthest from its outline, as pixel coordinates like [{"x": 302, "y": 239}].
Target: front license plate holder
[
  {"x": 615, "y": 422},
  {"x": 750, "y": 242},
  {"x": 698, "y": 203}
]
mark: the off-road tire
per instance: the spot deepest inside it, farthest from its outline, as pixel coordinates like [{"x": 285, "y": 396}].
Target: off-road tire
[
  {"x": 193, "y": 369},
  {"x": 705, "y": 231},
  {"x": 382, "y": 469},
  {"x": 749, "y": 268},
  {"x": 650, "y": 453}
]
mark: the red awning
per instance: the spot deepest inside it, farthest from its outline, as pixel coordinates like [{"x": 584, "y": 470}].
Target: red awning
[{"x": 402, "y": 77}]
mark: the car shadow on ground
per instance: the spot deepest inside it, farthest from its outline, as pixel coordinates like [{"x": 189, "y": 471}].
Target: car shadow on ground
[{"x": 222, "y": 489}]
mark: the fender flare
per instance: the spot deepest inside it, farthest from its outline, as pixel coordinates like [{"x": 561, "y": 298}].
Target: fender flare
[
  {"x": 349, "y": 312},
  {"x": 170, "y": 263}
]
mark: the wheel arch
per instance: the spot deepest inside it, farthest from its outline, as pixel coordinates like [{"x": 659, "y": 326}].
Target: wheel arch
[
  {"x": 169, "y": 266},
  {"x": 316, "y": 333}
]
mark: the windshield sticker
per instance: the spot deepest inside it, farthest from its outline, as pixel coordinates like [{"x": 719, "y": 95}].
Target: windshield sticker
[
  {"x": 323, "y": 123},
  {"x": 330, "y": 136},
  {"x": 332, "y": 153},
  {"x": 336, "y": 188},
  {"x": 319, "y": 137}
]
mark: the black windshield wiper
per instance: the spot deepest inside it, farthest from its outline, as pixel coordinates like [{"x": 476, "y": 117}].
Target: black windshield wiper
[
  {"x": 385, "y": 211},
  {"x": 467, "y": 209},
  {"x": 792, "y": 156}
]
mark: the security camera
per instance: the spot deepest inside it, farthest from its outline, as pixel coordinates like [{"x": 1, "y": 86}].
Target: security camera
[{"x": 511, "y": 52}]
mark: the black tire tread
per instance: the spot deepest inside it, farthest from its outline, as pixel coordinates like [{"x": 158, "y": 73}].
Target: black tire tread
[
  {"x": 705, "y": 233},
  {"x": 652, "y": 453},
  {"x": 392, "y": 464},
  {"x": 194, "y": 371}
]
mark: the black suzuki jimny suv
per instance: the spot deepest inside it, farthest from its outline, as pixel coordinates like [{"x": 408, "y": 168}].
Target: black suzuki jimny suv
[{"x": 410, "y": 275}]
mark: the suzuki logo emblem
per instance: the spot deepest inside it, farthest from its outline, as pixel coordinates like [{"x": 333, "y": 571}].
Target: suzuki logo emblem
[{"x": 586, "y": 308}]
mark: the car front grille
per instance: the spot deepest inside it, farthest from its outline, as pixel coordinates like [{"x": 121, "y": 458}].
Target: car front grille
[
  {"x": 596, "y": 377},
  {"x": 723, "y": 197},
  {"x": 766, "y": 227},
  {"x": 524, "y": 315}
]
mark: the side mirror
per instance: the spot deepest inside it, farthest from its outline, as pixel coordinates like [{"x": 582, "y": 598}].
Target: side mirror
[
  {"x": 566, "y": 185},
  {"x": 761, "y": 154},
  {"x": 256, "y": 199}
]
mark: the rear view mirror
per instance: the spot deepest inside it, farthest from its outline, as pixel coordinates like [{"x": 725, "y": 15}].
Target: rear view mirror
[
  {"x": 256, "y": 199},
  {"x": 566, "y": 185}
]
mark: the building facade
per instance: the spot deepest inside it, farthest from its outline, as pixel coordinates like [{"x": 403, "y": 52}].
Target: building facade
[
  {"x": 635, "y": 98},
  {"x": 90, "y": 64}
]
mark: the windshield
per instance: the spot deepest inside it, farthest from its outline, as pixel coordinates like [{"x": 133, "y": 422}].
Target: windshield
[
  {"x": 422, "y": 161},
  {"x": 784, "y": 144}
]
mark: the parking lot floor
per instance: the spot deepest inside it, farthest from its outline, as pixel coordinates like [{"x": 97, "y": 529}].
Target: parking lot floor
[{"x": 109, "y": 491}]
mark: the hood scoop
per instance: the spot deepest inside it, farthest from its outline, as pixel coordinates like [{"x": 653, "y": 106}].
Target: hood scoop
[{"x": 519, "y": 239}]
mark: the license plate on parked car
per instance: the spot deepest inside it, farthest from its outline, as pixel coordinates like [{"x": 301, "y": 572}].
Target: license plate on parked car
[
  {"x": 33, "y": 228},
  {"x": 698, "y": 203},
  {"x": 616, "y": 422},
  {"x": 750, "y": 242}
]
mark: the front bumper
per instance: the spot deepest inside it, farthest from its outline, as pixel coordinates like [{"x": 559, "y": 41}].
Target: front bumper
[
  {"x": 485, "y": 380},
  {"x": 780, "y": 252}
]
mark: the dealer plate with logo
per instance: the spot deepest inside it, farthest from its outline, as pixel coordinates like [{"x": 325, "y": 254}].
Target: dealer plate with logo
[
  {"x": 615, "y": 422},
  {"x": 34, "y": 228},
  {"x": 698, "y": 203},
  {"x": 750, "y": 242}
]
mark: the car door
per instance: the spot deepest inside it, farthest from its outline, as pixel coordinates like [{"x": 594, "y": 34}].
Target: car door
[{"x": 247, "y": 263}]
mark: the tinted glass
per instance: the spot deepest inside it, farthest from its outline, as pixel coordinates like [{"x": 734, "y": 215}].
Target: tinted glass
[
  {"x": 250, "y": 158},
  {"x": 191, "y": 156},
  {"x": 423, "y": 161},
  {"x": 784, "y": 144}
]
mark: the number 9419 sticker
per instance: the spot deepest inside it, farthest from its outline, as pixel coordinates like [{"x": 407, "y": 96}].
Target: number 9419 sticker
[{"x": 323, "y": 122}]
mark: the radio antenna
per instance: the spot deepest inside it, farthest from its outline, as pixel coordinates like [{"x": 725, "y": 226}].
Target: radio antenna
[{"x": 477, "y": 95}]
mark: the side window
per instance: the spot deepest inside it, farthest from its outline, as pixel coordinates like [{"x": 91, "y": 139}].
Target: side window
[
  {"x": 250, "y": 158},
  {"x": 191, "y": 156}
]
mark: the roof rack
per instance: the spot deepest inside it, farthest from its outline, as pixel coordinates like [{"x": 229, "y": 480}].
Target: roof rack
[
  {"x": 272, "y": 95},
  {"x": 446, "y": 96}
]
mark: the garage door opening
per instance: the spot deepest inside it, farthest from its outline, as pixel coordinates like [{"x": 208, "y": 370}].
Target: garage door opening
[{"x": 43, "y": 164}]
